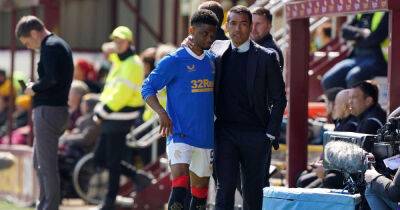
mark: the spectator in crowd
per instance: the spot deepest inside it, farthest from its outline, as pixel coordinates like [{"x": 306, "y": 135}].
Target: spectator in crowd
[
  {"x": 329, "y": 99},
  {"x": 78, "y": 90},
  {"x": 148, "y": 57},
  {"x": 261, "y": 32},
  {"x": 3, "y": 112},
  {"x": 104, "y": 69},
  {"x": 315, "y": 174},
  {"x": 23, "y": 104},
  {"x": 341, "y": 115},
  {"x": 369, "y": 33},
  {"x": 84, "y": 136},
  {"x": 20, "y": 128},
  {"x": 250, "y": 101},
  {"x": 364, "y": 105},
  {"x": 50, "y": 96},
  {"x": 84, "y": 71},
  {"x": 121, "y": 107},
  {"x": 75, "y": 144},
  {"x": 218, "y": 10},
  {"x": 5, "y": 84},
  {"x": 322, "y": 36}
]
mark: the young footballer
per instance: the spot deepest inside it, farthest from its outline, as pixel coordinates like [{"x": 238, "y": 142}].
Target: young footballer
[{"x": 188, "y": 122}]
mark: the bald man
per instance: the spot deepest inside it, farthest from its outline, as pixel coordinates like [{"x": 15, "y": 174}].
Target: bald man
[{"x": 341, "y": 115}]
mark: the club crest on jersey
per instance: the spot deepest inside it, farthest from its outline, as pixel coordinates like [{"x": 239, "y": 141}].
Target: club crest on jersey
[{"x": 191, "y": 68}]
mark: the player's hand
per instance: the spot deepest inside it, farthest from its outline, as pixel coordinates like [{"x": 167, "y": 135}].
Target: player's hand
[
  {"x": 165, "y": 124},
  {"x": 28, "y": 90},
  {"x": 188, "y": 42}
]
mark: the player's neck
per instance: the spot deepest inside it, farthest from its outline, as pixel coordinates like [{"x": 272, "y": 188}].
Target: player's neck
[{"x": 198, "y": 51}]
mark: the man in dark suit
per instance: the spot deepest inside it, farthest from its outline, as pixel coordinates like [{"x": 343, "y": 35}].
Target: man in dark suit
[
  {"x": 260, "y": 33},
  {"x": 249, "y": 103}
]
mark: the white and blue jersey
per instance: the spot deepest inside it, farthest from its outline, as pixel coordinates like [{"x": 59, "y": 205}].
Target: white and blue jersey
[{"x": 189, "y": 80}]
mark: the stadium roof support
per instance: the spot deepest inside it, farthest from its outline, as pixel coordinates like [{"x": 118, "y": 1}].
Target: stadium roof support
[{"x": 298, "y": 14}]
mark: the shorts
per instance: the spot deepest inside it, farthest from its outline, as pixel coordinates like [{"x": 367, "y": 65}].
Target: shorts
[{"x": 199, "y": 159}]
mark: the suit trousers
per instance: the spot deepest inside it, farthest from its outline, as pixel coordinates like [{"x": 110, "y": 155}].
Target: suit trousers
[
  {"x": 49, "y": 124},
  {"x": 246, "y": 149}
]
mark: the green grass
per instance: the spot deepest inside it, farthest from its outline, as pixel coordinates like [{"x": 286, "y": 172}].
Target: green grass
[{"x": 4, "y": 205}]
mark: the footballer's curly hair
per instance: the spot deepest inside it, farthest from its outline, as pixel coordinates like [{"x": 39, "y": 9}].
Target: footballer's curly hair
[{"x": 203, "y": 16}]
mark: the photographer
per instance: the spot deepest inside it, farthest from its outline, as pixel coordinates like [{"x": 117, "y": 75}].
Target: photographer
[{"x": 382, "y": 193}]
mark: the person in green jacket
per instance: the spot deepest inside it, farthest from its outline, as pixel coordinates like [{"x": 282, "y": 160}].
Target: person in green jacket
[{"x": 121, "y": 107}]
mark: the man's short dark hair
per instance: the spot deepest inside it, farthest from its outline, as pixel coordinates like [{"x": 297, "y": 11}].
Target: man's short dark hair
[
  {"x": 331, "y": 93},
  {"x": 239, "y": 9},
  {"x": 203, "y": 16},
  {"x": 262, "y": 12},
  {"x": 369, "y": 88},
  {"x": 26, "y": 24},
  {"x": 216, "y": 8}
]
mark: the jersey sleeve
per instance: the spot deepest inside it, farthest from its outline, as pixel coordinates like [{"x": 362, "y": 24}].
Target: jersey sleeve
[{"x": 163, "y": 74}]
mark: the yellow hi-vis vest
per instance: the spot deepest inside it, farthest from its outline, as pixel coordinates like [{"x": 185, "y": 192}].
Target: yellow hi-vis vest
[
  {"x": 376, "y": 20},
  {"x": 123, "y": 84}
]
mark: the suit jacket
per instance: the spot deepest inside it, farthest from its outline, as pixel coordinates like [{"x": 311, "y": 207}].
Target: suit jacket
[
  {"x": 268, "y": 42},
  {"x": 265, "y": 85}
]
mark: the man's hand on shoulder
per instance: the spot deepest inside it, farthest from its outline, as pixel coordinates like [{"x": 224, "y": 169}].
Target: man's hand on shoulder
[{"x": 188, "y": 42}]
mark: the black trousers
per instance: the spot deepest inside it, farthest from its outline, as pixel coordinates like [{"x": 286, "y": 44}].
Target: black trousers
[
  {"x": 109, "y": 153},
  {"x": 246, "y": 149}
]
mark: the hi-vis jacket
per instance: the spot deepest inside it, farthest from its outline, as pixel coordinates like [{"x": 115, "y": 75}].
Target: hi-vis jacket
[{"x": 121, "y": 98}]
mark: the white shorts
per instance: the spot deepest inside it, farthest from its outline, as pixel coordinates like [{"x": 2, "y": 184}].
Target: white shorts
[{"x": 199, "y": 159}]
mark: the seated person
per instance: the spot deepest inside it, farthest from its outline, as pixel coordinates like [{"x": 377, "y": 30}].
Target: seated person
[
  {"x": 329, "y": 99},
  {"x": 148, "y": 57},
  {"x": 364, "y": 105},
  {"x": 341, "y": 115},
  {"x": 84, "y": 136},
  {"x": 315, "y": 175},
  {"x": 5, "y": 84},
  {"x": 84, "y": 71},
  {"x": 382, "y": 193},
  {"x": 73, "y": 145},
  {"x": 20, "y": 122},
  {"x": 369, "y": 33},
  {"x": 77, "y": 91},
  {"x": 3, "y": 111}
]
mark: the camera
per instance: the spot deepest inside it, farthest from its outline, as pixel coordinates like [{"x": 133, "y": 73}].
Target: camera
[
  {"x": 383, "y": 145},
  {"x": 387, "y": 142}
]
